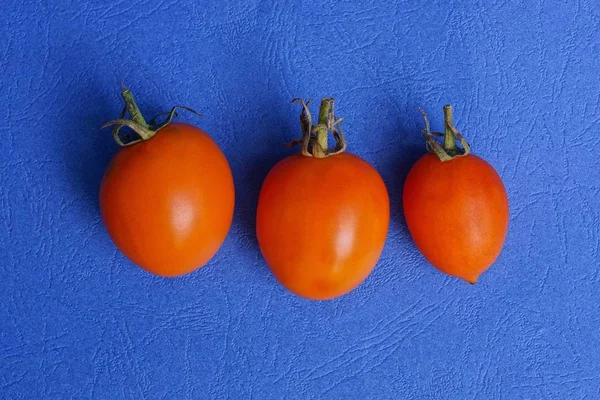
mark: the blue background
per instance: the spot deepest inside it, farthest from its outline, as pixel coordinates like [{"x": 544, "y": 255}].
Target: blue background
[{"x": 80, "y": 321}]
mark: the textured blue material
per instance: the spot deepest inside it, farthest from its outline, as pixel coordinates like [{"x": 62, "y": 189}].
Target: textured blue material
[{"x": 79, "y": 321}]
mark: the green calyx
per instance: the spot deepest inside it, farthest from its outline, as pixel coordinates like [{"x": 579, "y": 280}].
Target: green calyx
[
  {"x": 136, "y": 122},
  {"x": 449, "y": 150},
  {"x": 315, "y": 137}
]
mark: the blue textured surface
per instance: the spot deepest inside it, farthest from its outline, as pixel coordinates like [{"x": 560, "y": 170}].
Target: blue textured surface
[{"x": 79, "y": 321}]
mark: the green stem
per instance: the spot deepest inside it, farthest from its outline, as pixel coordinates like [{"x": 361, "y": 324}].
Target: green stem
[
  {"x": 449, "y": 141},
  {"x": 136, "y": 122},
  {"x": 315, "y": 137},
  {"x": 322, "y": 132},
  {"x": 449, "y": 150},
  {"x": 132, "y": 108}
]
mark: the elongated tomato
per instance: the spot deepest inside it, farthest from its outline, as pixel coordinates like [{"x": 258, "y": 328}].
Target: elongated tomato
[
  {"x": 457, "y": 209},
  {"x": 322, "y": 222}
]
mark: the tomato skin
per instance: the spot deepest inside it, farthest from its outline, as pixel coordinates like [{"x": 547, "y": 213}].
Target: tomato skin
[
  {"x": 457, "y": 213},
  {"x": 322, "y": 223},
  {"x": 167, "y": 202}
]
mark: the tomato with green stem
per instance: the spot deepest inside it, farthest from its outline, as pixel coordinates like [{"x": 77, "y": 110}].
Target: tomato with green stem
[
  {"x": 167, "y": 197},
  {"x": 322, "y": 215},
  {"x": 456, "y": 206}
]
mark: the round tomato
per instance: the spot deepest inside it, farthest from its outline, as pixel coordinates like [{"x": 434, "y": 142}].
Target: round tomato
[
  {"x": 457, "y": 209},
  {"x": 322, "y": 220},
  {"x": 167, "y": 201}
]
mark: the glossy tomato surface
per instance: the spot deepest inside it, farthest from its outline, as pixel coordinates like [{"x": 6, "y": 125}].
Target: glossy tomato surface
[
  {"x": 457, "y": 213},
  {"x": 322, "y": 223},
  {"x": 167, "y": 202}
]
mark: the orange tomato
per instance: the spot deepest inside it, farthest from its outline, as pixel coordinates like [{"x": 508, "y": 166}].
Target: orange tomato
[
  {"x": 456, "y": 212},
  {"x": 167, "y": 202},
  {"x": 322, "y": 222}
]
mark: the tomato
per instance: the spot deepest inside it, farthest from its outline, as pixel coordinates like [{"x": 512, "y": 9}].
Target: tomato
[
  {"x": 167, "y": 201},
  {"x": 456, "y": 210},
  {"x": 322, "y": 220}
]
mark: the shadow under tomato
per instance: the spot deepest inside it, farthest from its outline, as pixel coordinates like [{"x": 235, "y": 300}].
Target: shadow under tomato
[
  {"x": 406, "y": 158},
  {"x": 401, "y": 145},
  {"x": 86, "y": 149},
  {"x": 254, "y": 162}
]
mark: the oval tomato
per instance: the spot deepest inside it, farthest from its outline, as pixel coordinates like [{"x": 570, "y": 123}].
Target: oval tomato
[
  {"x": 167, "y": 202},
  {"x": 322, "y": 222},
  {"x": 456, "y": 210}
]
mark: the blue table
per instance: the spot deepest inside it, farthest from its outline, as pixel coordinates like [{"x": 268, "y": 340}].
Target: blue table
[{"x": 80, "y": 321}]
